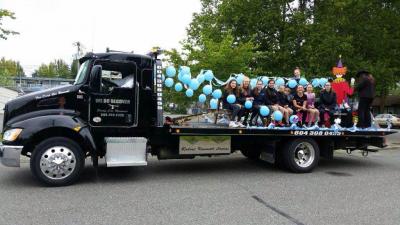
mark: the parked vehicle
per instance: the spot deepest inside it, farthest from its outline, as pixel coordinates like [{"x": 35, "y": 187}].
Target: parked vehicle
[
  {"x": 114, "y": 111},
  {"x": 385, "y": 119}
]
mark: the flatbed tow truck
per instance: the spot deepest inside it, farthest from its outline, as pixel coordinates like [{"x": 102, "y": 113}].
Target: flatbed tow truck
[{"x": 113, "y": 113}]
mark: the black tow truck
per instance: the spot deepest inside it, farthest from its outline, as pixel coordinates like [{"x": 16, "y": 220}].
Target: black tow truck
[{"x": 113, "y": 113}]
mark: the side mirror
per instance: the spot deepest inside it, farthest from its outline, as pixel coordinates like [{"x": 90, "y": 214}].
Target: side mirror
[{"x": 95, "y": 79}]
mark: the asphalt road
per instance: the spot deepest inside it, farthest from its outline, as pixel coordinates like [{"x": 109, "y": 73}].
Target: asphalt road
[{"x": 350, "y": 189}]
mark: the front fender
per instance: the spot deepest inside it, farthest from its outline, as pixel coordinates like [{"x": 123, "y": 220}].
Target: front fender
[{"x": 64, "y": 123}]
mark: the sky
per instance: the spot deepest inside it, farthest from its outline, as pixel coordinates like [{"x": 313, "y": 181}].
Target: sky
[{"x": 48, "y": 28}]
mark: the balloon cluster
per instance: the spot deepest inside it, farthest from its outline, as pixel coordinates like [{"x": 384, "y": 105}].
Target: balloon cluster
[
  {"x": 205, "y": 78},
  {"x": 191, "y": 84}
]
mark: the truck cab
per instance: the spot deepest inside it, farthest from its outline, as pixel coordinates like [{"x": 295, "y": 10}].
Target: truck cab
[{"x": 114, "y": 94}]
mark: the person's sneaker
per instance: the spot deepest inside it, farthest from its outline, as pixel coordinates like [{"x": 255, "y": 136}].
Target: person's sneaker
[
  {"x": 239, "y": 124},
  {"x": 233, "y": 124}
]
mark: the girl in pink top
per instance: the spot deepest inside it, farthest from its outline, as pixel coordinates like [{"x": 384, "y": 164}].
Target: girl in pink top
[{"x": 312, "y": 112}]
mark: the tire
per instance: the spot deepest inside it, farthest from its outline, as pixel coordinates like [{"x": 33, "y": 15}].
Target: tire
[
  {"x": 57, "y": 161},
  {"x": 252, "y": 155},
  {"x": 301, "y": 155}
]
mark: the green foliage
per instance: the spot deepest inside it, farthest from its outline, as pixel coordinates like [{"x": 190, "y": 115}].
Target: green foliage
[
  {"x": 224, "y": 57},
  {"x": 310, "y": 34},
  {"x": 58, "y": 69},
  {"x": 3, "y": 31},
  {"x": 74, "y": 67},
  {"x": 8, "y": 70}
]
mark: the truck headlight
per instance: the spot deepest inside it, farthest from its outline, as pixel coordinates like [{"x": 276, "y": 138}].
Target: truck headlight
[{"x": 12, "y": 134}]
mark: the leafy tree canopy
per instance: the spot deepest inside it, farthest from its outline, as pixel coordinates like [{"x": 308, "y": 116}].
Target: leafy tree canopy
[{"x": 4, "y": 33}]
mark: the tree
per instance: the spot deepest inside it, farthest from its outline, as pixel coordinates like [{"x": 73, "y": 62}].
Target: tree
[
  {"x": 74, "y": 67},
  {"x": 307, "y": 33},
  {"x": 58, "y": 68},
  {"x": 3, "y": 31},
  {"x": 8, "y": 70},
  {"x": 224, "y": 57}
]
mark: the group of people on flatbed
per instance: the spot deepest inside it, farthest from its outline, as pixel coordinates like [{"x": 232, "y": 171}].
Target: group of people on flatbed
[{"x": 301, "y": 101}]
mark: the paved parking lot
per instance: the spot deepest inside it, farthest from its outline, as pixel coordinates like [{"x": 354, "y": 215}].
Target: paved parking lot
[{"x": 351, "y": 189}]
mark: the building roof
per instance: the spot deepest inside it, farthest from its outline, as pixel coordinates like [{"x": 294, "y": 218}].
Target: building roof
[{"x": 43, "y": 78}]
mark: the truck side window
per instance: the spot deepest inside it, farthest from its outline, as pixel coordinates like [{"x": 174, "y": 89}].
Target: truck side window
[{"x": 117, "y": 75}]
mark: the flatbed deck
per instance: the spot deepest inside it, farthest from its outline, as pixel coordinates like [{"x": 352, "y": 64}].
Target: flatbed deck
[{"x": 219, "y": 130}]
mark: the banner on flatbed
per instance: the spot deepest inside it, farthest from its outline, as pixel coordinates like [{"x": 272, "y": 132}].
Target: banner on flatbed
[{"x": 200, "y": 145}]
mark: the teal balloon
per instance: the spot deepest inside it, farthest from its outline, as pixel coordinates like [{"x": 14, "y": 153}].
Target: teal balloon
[
  {"x": 303, "y": 81},
  {"x": 239, "y": 79},
  {"x": 207, "y": 89},
  {"x": 178, "y": 87},
  {"x": 169, "y": 82},
  {"x": 200, "y": 78},
  {"x": 189, "y": 92},
  {"x": 184, "y": 70},
  {"x": 170, "y": 71},
  {"x": 292, "y": 83},
  {"x": 194, "y": 84},
  {"x": 280, "y": 82},
  {"x": 213, "y": 103},
  {"x": 264, "y": 110},
  {"x": 248, "y": 104},
  {"x": 277, "y": 115},
  {"x": 186, "y": 79},
  {"x": 294, "y": 119},
  {"x": 180, "y": 76},
  {"x": 208, "y": 75},
  {"x": 315, "y": 82},
  {"x": 264, "y": 80},
  {"x": 253, "y": 83},
  {"x": 217, "y": 93},
  {"x": 202, "y": 98},
  {"x": 322, "y": 82},
  {"x": 231, "y": 99}
]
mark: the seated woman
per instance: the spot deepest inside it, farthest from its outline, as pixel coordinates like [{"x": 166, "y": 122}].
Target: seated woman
[
  {"x": 245, "y": 95},
  {"x": 313, "y": 113},
  {"x": 271, "y": 96},
  {"x": 258, "y": 95},
  {"x": 327, "y": 105},
  {"x": 232, "y": 89},
  {"x": 284, "y": 101},
  {"x": 299, "y": 103}
]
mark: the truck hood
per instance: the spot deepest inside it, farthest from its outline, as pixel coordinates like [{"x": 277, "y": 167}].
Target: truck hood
[{"x": 28, "y": 103}]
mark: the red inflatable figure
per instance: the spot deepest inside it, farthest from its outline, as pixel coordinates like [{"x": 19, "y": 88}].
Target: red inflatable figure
[{"x": 340, "y": 85}]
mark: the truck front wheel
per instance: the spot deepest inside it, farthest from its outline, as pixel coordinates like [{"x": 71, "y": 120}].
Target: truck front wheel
[
  {"x": 301, "y": 155},
  {"x": 57, "y": 161}
]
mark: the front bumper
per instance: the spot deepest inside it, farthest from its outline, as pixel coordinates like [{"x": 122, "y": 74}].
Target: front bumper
[{"x": 10, "y": 155}]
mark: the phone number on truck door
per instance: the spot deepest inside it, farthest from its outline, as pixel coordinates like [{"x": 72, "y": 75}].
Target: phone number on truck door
[{"x": 316, "y": 133}]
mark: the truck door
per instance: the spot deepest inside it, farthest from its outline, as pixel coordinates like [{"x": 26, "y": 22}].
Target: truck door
[{"x": 114, "y": 102}]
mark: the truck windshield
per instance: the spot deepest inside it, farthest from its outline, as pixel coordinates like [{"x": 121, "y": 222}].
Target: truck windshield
[{"x": 80, "y": 77}]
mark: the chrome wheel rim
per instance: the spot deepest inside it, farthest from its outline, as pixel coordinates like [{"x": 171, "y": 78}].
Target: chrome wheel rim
[
  {"x": 57, "y": 162},
  {"x": 304, "y": 154}
]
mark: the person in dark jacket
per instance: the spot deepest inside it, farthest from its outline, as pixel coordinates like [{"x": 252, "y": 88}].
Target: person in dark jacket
[
  {"x": 258, "y": 95},
  {"x": 327, "y": 105},
  {"x": 366, "y": 93},
  {"x": 245, "y": 95},
  {"x": 272, "y": 98},
  {"x": 232, "y": 89},
  {"x": 284, "y": 101},
  {"x": 299, "y": 103}
]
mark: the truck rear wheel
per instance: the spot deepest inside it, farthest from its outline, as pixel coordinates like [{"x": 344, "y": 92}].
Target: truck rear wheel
[
  {"x": 57, "y": 161},
  {"x": 301, "y": 155}
]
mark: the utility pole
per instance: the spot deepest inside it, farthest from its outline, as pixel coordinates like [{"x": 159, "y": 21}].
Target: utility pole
[{"x": 79, "y": 48}]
